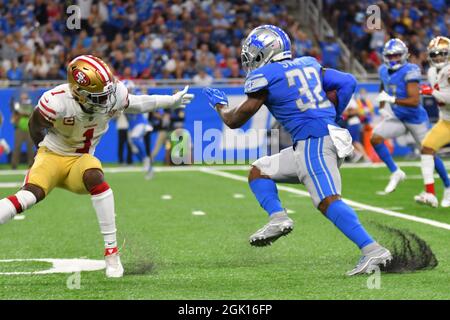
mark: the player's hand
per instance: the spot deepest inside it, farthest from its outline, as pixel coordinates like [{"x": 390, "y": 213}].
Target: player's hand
[
  {"x": 182, "y": 98},
  {"x": 385, "y": 97},
  {"x": 426, "y": 90},
  {"x": 215, "y": 96}
]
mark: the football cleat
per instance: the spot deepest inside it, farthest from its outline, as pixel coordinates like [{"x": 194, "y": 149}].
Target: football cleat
[
  {"x": 371, "y": 261},
  {"x": 114, "y": 268},
  {"x": 428, "y": 199},
  {"x": 279, "y": 225},
  {"x": 445, "y": 203},
  {"x": 397, "y": 177}
]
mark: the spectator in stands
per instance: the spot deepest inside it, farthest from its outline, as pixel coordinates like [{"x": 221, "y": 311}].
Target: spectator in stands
[
  {"x": 330, "y": 51},
  {"x": 202, "y": 78}
]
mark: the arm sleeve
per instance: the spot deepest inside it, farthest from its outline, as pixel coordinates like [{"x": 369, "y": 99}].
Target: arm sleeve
[
  {"x": 49, "y": 108},
  {"x": 442, "y": 95},
  {"x": 255, "y": 82},
  {"x": 146, "y": 103},
  {"x": 343, "y": 83},
  {"x": 413, "y": 75}
]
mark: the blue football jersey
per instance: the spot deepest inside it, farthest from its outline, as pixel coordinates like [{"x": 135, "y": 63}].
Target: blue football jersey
[
  {"x": 135, "y": 119},
  {"x": 395, "y": 84},
  {"x": 295, "y": 96}
]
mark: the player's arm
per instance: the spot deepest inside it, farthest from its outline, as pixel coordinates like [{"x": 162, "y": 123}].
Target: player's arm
[
  {"x": 344, "y": 84},
  {"x": 381, "y": 106},
  {"x": 442, "y": 95},
  {"x": 413, "y": 99},
  {"x": 235, "y": 117},
  {"x": 37, "y": 126},
  {"x": 146, "y": 103}
]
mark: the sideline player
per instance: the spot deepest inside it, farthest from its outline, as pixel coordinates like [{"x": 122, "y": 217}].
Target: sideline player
[
  {"x": 439, "y": 135},
  {"x": 295, "y": 93},
  {"x": 400, "y": 88},
  {"x": 67, "y": 125},
  {"x": 138, "y": 126}
]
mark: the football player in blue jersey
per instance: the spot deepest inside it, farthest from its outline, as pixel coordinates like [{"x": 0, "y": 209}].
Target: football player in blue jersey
[
  {"x": 295, "y": 93},
  {"x": 138, "y": 126},
  {"x": 400, "y": 88}
]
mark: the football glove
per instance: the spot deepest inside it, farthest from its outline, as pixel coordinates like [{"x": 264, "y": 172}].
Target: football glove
[
  {"x": 182, "y": 98},
  {"x": 385, "y": 97},
  {"x": 215, "y": 96},
  {"x": 426, "y": 90}
]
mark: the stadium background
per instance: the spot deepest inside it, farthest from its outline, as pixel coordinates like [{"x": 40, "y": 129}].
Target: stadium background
[{"x": 163, "y": 45}]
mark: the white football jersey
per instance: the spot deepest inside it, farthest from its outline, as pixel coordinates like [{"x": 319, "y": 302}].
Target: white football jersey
[
  {"x": 441, "y": 79},
  {"x": 74, "y": 131}
]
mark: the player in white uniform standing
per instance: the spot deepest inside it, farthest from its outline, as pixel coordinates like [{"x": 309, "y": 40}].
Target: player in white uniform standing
[
  {"x": 67, "y": 125},
  {"x": 439, "y": 135}
]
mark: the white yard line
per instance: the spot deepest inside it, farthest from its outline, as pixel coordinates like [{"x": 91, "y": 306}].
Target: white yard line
[{"x": 355, "y": 204}]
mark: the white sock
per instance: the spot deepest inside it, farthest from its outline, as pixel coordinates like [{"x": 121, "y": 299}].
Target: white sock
[
  {"x": 17, "y": 203},
  {"x": 427, "y": 167},
  {"x": 104, "y": 207}
]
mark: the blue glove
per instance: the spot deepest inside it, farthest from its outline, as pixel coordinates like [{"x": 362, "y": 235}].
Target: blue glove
[{"x": 215, "y": 96}]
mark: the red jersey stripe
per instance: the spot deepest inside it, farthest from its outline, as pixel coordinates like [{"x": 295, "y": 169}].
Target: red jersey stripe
[{"x": 47, "y": 108}]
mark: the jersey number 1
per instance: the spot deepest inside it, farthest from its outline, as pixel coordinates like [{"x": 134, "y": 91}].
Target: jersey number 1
[{"x": 88, "y": 134}]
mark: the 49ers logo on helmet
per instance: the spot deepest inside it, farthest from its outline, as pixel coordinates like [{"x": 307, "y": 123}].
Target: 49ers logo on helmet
[{"x": 80, "y": 77}]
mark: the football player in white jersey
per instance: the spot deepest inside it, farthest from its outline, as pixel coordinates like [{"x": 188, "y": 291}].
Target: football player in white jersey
[
  {"x": 439, "y": 135},
  {"x": 67, "y": 125}
]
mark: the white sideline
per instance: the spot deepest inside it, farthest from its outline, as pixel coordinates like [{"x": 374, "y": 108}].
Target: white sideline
[{"x": 355, "y": 204}]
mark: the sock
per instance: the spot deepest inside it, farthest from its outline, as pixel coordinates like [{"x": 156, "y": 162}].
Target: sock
[
  {"x": 346, "y": 220},
  {"x": 440, "y": 168},
  {"x": 15, "y": 204},
  {"x": 139, "y": 143},
  {"x": 384, "y": 155},
  {"x": 265, "y": 191},
  {"x": 103, "y": 202},
  {"x": 427, "y": 167}
]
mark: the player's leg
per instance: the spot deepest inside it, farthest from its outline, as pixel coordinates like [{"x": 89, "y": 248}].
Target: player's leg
[
  {"x": 388, "y": 128},
  {"x": 434, "y": 140},
  {"x": 319, "y": 166},
  {"x": 262, "y": 177},
  {"x": 43, "y": 176},
  {"x": 86, "y": 176}
]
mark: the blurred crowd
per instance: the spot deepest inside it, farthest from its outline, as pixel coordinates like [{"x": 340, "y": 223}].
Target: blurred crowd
[
  {"x": 416, "y": 22},
  {"x": 142, "y": 39}
]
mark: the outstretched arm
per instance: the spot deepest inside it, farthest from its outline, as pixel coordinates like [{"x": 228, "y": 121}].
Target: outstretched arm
[
  {"x": 235, "y": 117},
  {"x": 146, "y": 103}
]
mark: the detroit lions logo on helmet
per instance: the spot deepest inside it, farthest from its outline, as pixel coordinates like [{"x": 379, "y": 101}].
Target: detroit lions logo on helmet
[{"x": 80, "y": 77}]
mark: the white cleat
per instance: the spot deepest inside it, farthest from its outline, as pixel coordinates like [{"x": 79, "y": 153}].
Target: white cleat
[
  {"x": 428, "y": 199},
  {"x": 445, "y": 203},
  {"x": 370, "y": 262},
  {"x": 397, "y": 177},
  {"x": 114, "y": 268}
]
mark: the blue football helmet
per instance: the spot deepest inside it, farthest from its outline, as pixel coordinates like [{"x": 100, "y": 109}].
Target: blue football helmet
[
  {"x": 263, "y": 45},
  {"x": 395, "y": 54}
]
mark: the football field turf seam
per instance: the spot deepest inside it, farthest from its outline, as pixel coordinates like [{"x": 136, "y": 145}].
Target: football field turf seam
[{"x": 352, "y": 203}]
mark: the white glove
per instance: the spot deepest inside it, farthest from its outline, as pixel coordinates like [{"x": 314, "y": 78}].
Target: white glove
[
  {"x": 182, "y": 98},
  {"x": 384, "y": 97}
]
